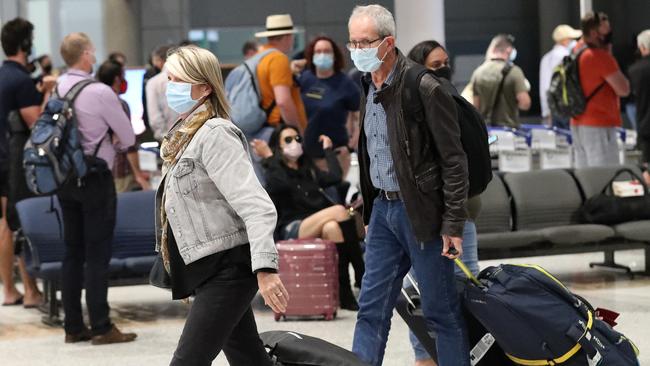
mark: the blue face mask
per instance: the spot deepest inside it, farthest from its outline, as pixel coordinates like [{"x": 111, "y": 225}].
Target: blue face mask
[
  {"x": 323, "y": 61},
  {"x": 365, "y": 59},
  {"x": 179, "y": 96},
  {"x": 572, "y": 45}
]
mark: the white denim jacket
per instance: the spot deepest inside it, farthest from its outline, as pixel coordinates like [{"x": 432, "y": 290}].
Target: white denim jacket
[{"x": 214, "y": 200}]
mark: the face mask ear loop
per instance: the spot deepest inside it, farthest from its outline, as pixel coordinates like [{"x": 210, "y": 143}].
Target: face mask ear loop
[{"x": 386, "y": 54}]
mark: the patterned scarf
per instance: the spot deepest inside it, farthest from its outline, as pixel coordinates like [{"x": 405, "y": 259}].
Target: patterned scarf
[{"x": 172, "y": 148}]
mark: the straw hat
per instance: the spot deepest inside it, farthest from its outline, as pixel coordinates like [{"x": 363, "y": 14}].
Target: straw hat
[
  {"x": 277, "y": 25},
  {"x": 563, "y": 31}
]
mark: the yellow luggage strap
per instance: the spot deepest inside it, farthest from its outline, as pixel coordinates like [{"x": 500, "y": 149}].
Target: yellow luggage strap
[
  {"x": 467, "y": 272},
  {"x": 560, "y": 359},
  {"x": 525, "y": 362}
]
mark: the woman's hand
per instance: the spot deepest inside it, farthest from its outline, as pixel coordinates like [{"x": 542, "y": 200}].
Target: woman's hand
[
  {"x": 261, "y": 149},
  {"x": 297, "y": 66},
  {"x": 273, "y": 291},
  {"x": 326, "y": 141}
]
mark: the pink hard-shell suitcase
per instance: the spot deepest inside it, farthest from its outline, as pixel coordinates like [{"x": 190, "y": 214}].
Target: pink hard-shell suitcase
[{"x": 309, "y": 271}]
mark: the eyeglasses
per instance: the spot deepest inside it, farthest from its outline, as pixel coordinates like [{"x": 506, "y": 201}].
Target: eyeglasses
[
  {"x": 352, "y": 45},
  {"x": 289, "y": 139}
]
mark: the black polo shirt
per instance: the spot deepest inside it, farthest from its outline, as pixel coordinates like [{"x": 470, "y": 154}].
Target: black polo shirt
[
  {"x": 17, "y": 91},
  {"x": 640, "y": 79}
]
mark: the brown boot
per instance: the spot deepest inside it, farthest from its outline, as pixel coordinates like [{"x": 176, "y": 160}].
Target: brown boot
[
  {"x": 113, "y": 336},
  {"x": 83, "y": 336}
]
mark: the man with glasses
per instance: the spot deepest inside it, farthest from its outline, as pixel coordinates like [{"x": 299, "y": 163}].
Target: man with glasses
[{"x": 407, "y": 168}]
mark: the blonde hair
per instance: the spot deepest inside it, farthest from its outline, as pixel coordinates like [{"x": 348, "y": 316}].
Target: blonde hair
[
  {"x": 196, "y": 65},
  {"x": 73, "y": 47}
]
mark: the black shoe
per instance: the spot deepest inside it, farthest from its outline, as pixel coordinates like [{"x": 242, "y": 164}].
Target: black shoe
[{"x": 348, "y": 301}]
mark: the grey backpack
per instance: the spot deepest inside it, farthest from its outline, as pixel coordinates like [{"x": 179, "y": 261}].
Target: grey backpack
[{"x": 243, "y": 92}]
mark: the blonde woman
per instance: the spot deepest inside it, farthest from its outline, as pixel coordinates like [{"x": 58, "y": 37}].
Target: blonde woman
[{"x": 215, "y": 222}]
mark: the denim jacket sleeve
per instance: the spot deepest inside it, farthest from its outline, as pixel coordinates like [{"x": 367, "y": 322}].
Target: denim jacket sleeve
[{"x": 225, "y": 157}]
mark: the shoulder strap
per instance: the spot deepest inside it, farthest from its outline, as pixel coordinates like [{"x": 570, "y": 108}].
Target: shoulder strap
[
  {"x": 504, "y": 73},
  {"x": 411, "y": 100},
  {"x": 72, "y": 95},
  {"x": 577, "y": 58},
  {"x": 76, "y": 89},
  {"x": 251, "y": 64}
]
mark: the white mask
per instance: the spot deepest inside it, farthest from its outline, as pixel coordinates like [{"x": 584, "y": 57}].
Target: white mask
[{"x": 292, "y": 151}]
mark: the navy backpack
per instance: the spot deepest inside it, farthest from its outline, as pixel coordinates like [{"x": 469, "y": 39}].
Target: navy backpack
[
  {"x": 53, "y": 153},
  {"x": 537, "y": 321}
]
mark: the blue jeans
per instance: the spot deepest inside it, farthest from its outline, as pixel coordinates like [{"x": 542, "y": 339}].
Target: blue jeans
[
  {"x": 391, "y": 250},
  {"x": 470, "y": 258}
]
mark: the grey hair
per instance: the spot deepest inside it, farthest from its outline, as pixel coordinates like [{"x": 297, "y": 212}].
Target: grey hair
[
  {"x": 643, "y": 39},
  {"x": 383, "y": 18}
]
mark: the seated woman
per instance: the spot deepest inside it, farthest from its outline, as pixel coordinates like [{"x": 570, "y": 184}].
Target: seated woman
[{"x": 296, "y": 187}]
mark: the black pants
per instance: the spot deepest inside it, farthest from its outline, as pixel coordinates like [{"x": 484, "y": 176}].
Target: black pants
[
  {"x": 221, "y": 318},
  {"x": 88, "y": 223}
]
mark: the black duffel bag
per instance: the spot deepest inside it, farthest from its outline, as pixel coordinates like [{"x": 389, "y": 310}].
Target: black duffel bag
[
  {"x": 607, "y": 209},
  {"x": 295, "y": 349}
]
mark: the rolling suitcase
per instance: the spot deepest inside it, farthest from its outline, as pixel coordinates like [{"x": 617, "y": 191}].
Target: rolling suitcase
[
  {"x": 484, "y": 351},
  {"x": 295, "y": 349},
  {"x": 309, "y": 271},
  {"x": 538, "y": 321}
]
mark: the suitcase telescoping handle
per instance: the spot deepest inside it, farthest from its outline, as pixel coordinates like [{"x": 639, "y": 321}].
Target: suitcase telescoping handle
[{"x": 467, "y": 272}]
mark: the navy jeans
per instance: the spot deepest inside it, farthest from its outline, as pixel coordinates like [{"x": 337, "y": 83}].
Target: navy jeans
[
  {"x": 391, "y": 250},
  {"x": 470, "y": 258}
]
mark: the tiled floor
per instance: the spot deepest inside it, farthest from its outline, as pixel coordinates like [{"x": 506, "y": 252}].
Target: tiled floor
[{"x": 24, "y": 340}]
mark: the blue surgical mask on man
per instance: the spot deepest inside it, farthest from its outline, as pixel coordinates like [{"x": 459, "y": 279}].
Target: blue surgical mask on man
[
  {"x": 323, "y": 61},
  {"x": 365, "y": 59},
  {"x": 179, "y": 96},
  {"x": 572, "y": 45}
]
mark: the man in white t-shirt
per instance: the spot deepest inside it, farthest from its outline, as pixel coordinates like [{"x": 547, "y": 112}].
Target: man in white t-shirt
[
  {"x": 565, "y": 38},
  {"x": 161, "y": 117}
]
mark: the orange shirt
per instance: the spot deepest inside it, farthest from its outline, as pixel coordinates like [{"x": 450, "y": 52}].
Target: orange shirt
[
  {"x": 273, "y": 70},
  {"x": 603, "y": 109}
]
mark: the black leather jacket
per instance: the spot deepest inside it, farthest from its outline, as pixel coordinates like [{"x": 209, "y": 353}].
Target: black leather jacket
[{"x": 430, "y": 162}]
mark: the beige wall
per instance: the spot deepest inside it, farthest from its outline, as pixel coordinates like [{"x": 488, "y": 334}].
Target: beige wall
[
  {"x": 419, "y": 20},
  {"x": 122, "y": 29}
]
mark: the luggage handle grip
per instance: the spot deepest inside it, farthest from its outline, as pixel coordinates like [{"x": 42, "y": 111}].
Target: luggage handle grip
[
  {"x": 608, "y": 188},
  {"x": 467, "y": 272}
]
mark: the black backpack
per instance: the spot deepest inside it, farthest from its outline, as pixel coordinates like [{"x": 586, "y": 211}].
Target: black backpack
[
  {"x": 565, "y": 96},
  {"x": 473, "y": 132}
]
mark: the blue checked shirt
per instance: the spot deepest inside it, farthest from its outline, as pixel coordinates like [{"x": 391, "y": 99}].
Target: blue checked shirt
[{"x": 382, "y": 170}]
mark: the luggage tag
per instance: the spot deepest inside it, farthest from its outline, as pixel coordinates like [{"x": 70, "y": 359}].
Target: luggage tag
[
  {"x": 608, "y": 316},
  {"x": 481, "y": 349}
]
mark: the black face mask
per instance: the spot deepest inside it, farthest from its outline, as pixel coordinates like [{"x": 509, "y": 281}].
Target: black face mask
[
  {"x": 443, "y": 72},
  {"x": 47, "y": 69}
]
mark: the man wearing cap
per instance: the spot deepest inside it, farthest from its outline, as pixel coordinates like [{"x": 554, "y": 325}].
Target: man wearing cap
[
  {"x": 275, "y": 76},
  {"x": 565, "y": 38}
]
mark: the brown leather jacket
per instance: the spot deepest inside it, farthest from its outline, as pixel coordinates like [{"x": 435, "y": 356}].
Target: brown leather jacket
[{"x": 430, "y": 163}]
